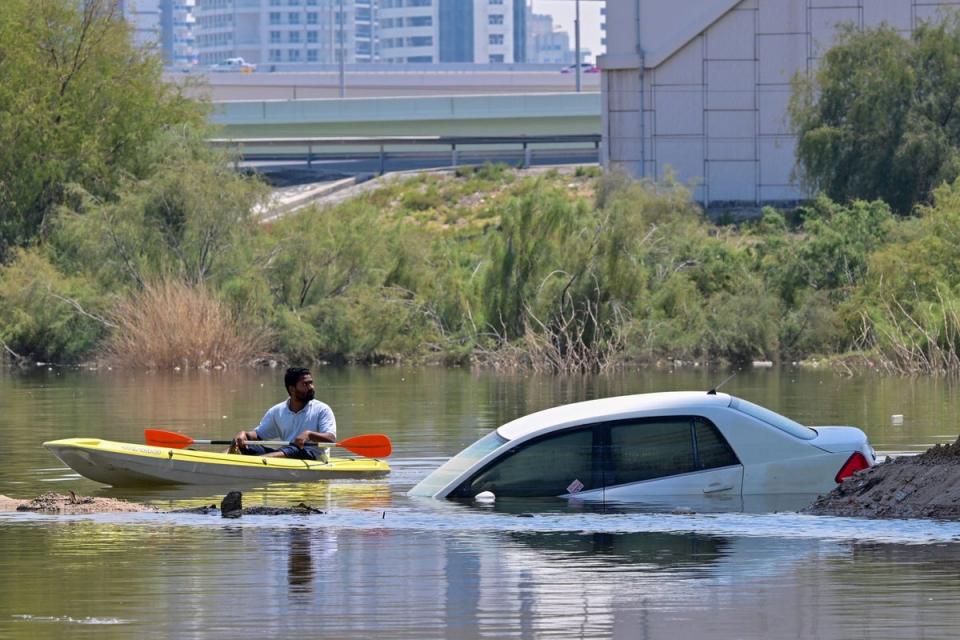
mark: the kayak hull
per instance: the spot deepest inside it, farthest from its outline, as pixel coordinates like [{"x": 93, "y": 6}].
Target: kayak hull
[{"x": 122, "y": 464}]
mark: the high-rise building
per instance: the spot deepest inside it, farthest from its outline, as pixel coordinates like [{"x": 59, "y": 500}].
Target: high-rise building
[
  {"x": 164, "y": 25},
  {"x": 286, "y": 32},
  {"x": 177, "y": 32},
  {"x": 546, "y": 45},
  {"x": 144, "y": 17},
  {"x": 430, "y": 31}
]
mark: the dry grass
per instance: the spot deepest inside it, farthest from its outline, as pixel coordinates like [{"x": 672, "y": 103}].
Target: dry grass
[
  {"x": 915, "y": 344},
  {"x": 171, "y": 324}
]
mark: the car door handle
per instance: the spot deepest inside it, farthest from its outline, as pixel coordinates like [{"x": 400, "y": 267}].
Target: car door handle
[{"x": 716, "y": 487}]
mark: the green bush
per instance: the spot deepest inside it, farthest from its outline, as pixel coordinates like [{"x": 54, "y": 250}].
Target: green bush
[{"x": 46, "y": 315}]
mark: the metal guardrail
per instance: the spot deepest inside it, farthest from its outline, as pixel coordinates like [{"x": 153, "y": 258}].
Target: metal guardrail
[{"x": 357, "y": 148}]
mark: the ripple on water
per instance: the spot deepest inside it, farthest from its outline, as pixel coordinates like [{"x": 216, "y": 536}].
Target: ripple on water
[
  {"x": 26, "y": 617},
  {"x": 414, "y": 515}
]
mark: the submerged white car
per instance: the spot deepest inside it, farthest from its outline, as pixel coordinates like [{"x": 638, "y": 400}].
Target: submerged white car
[{"x": 633, "y": 448}]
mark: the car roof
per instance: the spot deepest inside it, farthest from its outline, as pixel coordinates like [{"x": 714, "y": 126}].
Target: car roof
[{"x": 611, "y": 409}]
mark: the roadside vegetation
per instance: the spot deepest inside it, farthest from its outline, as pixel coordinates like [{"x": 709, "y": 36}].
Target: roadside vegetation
[{"x": 125, "y": 239}]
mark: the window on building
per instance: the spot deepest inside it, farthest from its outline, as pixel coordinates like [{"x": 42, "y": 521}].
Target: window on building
[
  {"x": 274, "y": 17},
  {"x": 274, "y": 3},
  {"x": 496, "y": 38},
  {"x": 293, "y": 37},
  {"x": 496, "y": 1},
  {"x": 312, "y": 55},
  {"x": 420, "y": 41},
  {"x": 419, "y": 3},
  {"x": 496, "y": 58},
  {"x": 311, "y": 3},
  {"x": 293, "y": 3},
  {"x": 311, "y": 17},
  {"x": 420, "y": 21},
  {"x": 363, "y": 31},
  {"x": 274, "y": 37},
  {"x": 311, "y": 36},
  {"x": 293, "y": 18},
  {"x": 293, "y": 55},
  {"x": 363, "y": 13},
  {"x": 276, "y": 55},
  {"x": 495, "y": 18},
  {"x": 420, "y": 59}
]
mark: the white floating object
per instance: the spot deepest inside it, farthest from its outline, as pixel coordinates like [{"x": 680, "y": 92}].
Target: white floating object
[
  {"x": 896, "y": 419},
  {"x": 484, "y": 496},
  {"x": 764, "y": 364}
]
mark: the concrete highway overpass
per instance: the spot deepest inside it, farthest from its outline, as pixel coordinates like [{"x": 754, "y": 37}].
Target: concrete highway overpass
[{"x": 380, "y": 84}]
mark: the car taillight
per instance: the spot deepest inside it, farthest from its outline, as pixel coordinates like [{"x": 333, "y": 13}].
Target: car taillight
[{"x": 854, "y": 463}]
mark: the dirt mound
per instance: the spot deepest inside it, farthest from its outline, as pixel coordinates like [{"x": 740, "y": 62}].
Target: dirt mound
[
  {"x": 923, "y": 486},
  {"x": 70, "y": 504},
  {"x": 941, "y": 454}
]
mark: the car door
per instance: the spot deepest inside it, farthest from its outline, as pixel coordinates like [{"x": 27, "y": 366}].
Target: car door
[{"x": 673, "y": 455}]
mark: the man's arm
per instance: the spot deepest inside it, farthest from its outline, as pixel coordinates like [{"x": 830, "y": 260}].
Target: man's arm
[{"x": 313, "y": 436}]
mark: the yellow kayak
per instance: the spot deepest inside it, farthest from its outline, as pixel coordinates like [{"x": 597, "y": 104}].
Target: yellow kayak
[{"x": 125, "y": 464}]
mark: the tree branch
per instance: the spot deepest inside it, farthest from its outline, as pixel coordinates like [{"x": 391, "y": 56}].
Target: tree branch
[{"x": 76, "y": 305}]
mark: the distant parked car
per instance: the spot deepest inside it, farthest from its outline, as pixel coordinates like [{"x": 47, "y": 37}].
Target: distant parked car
[
  {"x": 234, "y": 64},
  {"x": 633, "y": 448},
  {"x": 585, "y": 67}
]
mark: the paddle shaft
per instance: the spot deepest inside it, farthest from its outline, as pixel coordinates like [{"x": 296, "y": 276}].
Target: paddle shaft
[
  {"x": 269, "y": 443},
  {"x": 374, "y": 445}
]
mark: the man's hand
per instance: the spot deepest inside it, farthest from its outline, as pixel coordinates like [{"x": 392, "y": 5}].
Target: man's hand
[
  {"x": 239, "y": 440},
  {"x": 302, "y": 439}
]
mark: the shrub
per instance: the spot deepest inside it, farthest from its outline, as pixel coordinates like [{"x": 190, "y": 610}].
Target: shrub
[
  {"x": 170, "y": 324},
  {"x": 46, "y": 315}
]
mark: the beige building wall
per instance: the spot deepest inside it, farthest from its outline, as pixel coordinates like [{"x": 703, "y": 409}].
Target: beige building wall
[{"x": 704, "y": 91}]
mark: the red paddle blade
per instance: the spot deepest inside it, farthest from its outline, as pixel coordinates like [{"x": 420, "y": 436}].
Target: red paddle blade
[
  {"x": 372, "y": 445},
  {"x": 172, "y": 439}
]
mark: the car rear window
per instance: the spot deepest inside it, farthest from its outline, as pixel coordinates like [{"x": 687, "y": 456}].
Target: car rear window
[{"x": 773, "y": 419}]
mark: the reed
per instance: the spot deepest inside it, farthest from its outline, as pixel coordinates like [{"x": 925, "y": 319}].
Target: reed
[
  {"x": 170, "y": 324},
  {"x": 920, "y": 341}
]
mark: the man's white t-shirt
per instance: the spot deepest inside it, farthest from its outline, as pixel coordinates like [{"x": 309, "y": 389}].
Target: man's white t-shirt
[{"x": 280, "y": 423}]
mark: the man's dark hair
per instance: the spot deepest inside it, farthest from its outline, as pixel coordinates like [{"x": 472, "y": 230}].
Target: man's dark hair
[{"x": 293, "y": 375}]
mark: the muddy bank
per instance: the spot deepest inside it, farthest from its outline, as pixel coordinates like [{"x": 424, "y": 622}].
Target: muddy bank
[
  {"x": 55, "y": 503},
  {"x": 70, "y": 504},
  {"x": 923, "y": 486}
]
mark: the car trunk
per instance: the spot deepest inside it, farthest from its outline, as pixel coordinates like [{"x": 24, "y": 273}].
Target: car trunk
[{"x": 839, "y": 439}]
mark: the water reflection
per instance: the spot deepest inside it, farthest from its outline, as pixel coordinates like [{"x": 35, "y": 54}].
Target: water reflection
[
  {"x": 300, "y": 565},
  {"x": 421, "y": 583}
]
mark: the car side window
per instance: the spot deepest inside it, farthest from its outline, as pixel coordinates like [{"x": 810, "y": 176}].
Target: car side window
[
  {"x": 661, "y": 447},
  {"x": 713, "y": 451},
  {"x": 649, "y": 449},
  {"x": 543, "y": 467}
]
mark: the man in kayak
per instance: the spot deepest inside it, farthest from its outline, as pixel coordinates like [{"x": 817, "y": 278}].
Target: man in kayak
[{"x": 299, "y": 419}]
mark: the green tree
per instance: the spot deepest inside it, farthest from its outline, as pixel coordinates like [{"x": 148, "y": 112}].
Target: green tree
[
  {"x": 190, "y": 219},
  {"x": 78, "y": 104},
  {"x": 878, "y": 118}
]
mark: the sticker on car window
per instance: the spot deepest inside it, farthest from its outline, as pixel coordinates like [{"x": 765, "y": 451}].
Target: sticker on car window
[{"x": 575, "y": 487}]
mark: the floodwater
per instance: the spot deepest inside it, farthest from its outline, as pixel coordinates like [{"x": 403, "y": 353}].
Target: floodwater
[{"x": 380, "y": 564}]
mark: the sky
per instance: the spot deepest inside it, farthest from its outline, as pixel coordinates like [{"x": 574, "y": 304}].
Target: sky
[{"x": 563, "y": 12}]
